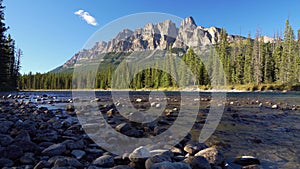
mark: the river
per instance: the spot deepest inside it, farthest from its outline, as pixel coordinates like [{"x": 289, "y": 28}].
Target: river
[{"x": 249, "y": 124}]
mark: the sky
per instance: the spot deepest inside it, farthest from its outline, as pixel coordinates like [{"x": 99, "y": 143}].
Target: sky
[{"x": 51, "y": 31}]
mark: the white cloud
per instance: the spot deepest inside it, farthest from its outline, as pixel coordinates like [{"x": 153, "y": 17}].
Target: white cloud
[{"x": 87, "y": 17}]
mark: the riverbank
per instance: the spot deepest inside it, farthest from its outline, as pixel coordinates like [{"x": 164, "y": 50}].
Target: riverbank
[
  {"x": 55, "y": 138},
  {"x": 228, "y": 88}
]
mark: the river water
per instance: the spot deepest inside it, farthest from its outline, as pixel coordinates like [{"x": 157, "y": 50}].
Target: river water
[{"x": 249, "y": 124}]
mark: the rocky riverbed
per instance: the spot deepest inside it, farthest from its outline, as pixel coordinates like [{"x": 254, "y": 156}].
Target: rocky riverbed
[{"x": 46, "y": 133}]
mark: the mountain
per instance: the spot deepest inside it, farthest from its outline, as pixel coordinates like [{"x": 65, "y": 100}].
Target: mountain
[{"x": 152, "y": 36}]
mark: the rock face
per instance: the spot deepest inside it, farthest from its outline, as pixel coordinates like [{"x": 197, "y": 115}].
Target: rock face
[{"x": 153, "y": 36}]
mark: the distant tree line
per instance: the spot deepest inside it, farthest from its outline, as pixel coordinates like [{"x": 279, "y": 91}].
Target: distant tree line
[
  {"x": 242, "y": 62},
  {"x": 9, "y": 57}
]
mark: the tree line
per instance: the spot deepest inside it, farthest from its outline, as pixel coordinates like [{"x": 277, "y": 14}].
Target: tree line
[
  {"x": 247, "y": 61},
  {"x": 9, "y": 57}
]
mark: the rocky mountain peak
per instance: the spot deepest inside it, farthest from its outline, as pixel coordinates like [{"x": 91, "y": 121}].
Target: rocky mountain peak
[
  {"x": 188, "y": 22},
  {"x": 124, "y": 34},
  {"x": 154, "y": 36}
]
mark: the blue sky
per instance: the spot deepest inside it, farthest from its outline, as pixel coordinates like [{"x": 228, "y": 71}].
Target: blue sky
[{"x": 49, "y": 32}]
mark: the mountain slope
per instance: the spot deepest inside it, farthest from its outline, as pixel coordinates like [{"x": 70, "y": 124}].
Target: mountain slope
[{"x": 151, "y": 36}]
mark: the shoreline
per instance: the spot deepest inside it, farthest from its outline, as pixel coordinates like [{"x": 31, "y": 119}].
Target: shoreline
[{"x": 151, "y": 90}]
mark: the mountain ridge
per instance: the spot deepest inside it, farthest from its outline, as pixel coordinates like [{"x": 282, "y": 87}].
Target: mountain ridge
[{"x": 154, "y": 36}]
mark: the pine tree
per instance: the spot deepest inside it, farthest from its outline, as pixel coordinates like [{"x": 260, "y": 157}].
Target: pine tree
[
  {"x": 257, "y": 59},
  {"x": 276, "y": 54},
  {"x": 8, "y": 72},
  {"x": 248, "y": 67},
  {"x": 287, "y": 67},
  {"x": 269, "y": 65}
]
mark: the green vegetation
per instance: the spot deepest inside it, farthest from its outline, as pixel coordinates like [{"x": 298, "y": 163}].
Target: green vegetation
[
  {"x": 9, "y": 57},
  {"x": 248, "y": 64}
]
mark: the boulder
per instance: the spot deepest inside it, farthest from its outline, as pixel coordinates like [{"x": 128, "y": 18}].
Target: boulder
[
  {"x": 197, "y": 162},
  {"x": 156, "y": 159},
  {"x": 138, "y": 154},
  {"x": 213, "y": 156},
  {"x": 192, "y": 147},
  {"x": 104, "y": 161}
]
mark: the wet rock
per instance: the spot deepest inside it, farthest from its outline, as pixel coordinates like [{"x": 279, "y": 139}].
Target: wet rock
[
  {"x": 123, "y": 127},
  {"x": 179, "y": 158},
  {"x": 14, "y": 152},
  {"x": 5, "y": 140},
  {"x": 48, "y": 136},
  {"x": 153, "y": 104},
  {"x": 91, "y": 128},
  {"x": 246, "y": 160},
  {"x": 27, "y": 158},
  {"x": 134, "y": 133},
  {"x": 139, "y": 154},
  {"x": 41, "y": 165},
  {"x": 139, "y": 100},
  {"x": 197, "y": 162},
  {"x": 28, "y": 146},
  {"x": 70, "y": 108},
  {"x": 176, "y": 151},
  {"x": 78, "y": 154},
  {"x": 256, "y": 140},
  {"x": 211, "y": 154},
  {"x": 23, "y": 135},
  {"x": 67, "y": 161},
  {"x": 159, "y": 130},
  {"x": 192, "y": 147},
  {"x": 275, "y": 106},
  {"x": 74, "y": 144},
  {"x": 119, "y": 160},
  {"x": 104, "y": 161},
  {"x": 4, "y": 162},
  {"x": 55, "y": 149},
  {"x": 136, "y": 117},
  {"x": 122, "y": 167},
  {"x": 251, "y": 167},
  {"x": 156, "y": 159},
  {"x": 170, "y": 165},
  {"x": 158, "y": 105},
  {"x": 5, "y": 126},
  {"x": 94, "y": 151},
  {"x": 164, "y": 152}
]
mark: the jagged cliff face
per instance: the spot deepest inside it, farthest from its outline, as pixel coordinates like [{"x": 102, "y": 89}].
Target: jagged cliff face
[{"x": 154, "y": 36}]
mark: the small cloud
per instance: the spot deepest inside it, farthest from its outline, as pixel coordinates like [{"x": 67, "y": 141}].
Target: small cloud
[{"x": 87, "y": 17}]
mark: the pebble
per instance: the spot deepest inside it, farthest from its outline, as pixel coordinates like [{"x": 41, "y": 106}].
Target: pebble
[
  {"x": 192, "y": 147},
  {"x": 139, "y": 153},
  {"x": 104, "y": 161},
  {"x": 5, "y": 140},
  {"x": 170, "y": 165},
  {"x": 246, "y": 160},
  {"x": 197, "y": 162},
  {"x": 139, "y": 100},
  {"x": 4, "y": 162},
  {"x": 211, "y": 154},
  {"x": 78, "y": 154},
  {"x": 275, "y": 106},
  {"x": 56, "y": 149},
  {"x": 156, "y": 159}
]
